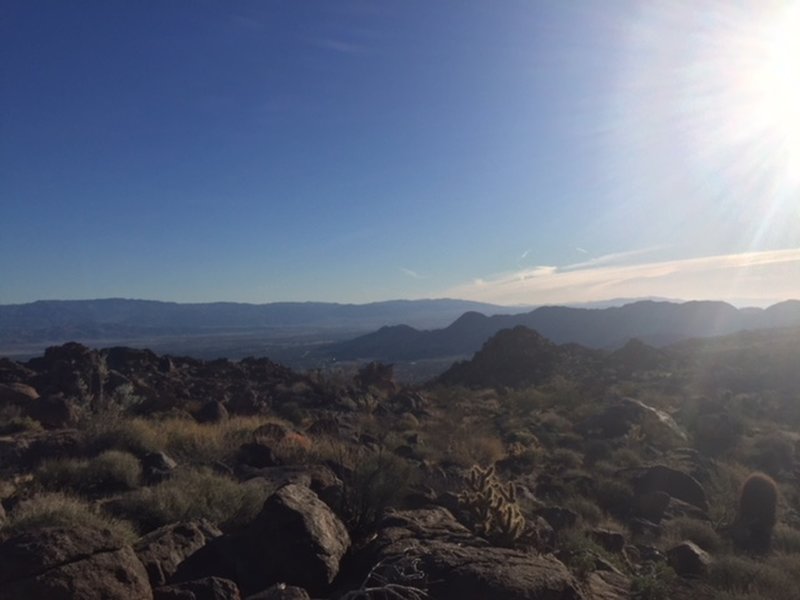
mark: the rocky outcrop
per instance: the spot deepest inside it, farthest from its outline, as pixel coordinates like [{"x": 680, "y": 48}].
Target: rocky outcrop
[
  {"x": 71, "y": 564},
  {"x": 296, "y": 539},
  {"x": 458, "y": 565},
  {"x": 163, "y": 550},
  {"x": 660, "y": 478}
]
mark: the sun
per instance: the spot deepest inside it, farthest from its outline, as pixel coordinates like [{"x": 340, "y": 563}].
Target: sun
[{"x": 770, "y": 85}]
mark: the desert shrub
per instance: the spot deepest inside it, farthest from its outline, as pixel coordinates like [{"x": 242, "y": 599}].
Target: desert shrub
[
  {"x": 291, "y": 411},
  {"x": 111, "y": 471},
  {"x": 587, "y": 510},
  {"x": 700, "y": 532},
  {"x": 192, "y": 494},
  {"x": 722, "y": 487},
  {"x": 580, "y": 552},
  {"x": 135, "y": 435},
  {"x": 14, "y": 420},
  {"x": 596, "y": 450},
  {"x": 566, "y": 459},
  {"x": 773, "y": 453},
  {"x": 625, "y": 458},
  {"x": 786, "y": 539},
  {"x": 717, "y": 433},
  {"x": 614, "y": 496},
  {"x": 377, "y": 481},
  {"x": 59, "y": 510},
  {"x": 293, "y": 448},
  {"x": 190, "y": 442},
  {"x": 654, "y": 583},
  {"x": 739, "y": 574}
]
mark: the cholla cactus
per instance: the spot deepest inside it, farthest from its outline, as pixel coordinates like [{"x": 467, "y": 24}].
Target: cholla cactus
[{"x": 492, "y": 507}]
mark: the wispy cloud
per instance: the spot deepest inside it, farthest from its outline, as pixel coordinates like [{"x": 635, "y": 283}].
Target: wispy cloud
[
  {"x": 582, "y": 250},
  {"x": 412, "y": 273},
  {"x": 609, "y": 259},
  {"x": 766, "y": 274}
]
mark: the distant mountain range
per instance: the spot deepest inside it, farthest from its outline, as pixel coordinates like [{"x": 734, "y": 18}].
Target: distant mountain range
[
  {"x": 656, "y": 323},
  {"x": 45, "y": 322},
  {"x": 308, "y": 334}
]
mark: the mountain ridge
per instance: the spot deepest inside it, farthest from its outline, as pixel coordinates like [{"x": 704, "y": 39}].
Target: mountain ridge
[{"x": 657, "y": 323}]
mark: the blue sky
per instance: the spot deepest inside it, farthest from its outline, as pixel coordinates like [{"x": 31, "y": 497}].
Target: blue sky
[{"x": 517, "y": 152}]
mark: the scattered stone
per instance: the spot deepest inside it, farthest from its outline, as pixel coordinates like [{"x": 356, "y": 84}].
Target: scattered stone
[
  {"x": 688, "y": 559},
  {"x": 256, "y": 454},
  {"x": 157, "y": 466}
]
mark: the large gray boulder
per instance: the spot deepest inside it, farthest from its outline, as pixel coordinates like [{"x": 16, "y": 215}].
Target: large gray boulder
[
  {"x": 77, "y": 563},
  {"x": 456, "y": 565},
  {"x": 296, "y": 539}
]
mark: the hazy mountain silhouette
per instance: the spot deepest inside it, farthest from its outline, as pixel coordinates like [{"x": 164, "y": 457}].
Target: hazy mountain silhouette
[
  {"x": 655, "y": 323},
  {"x": 55, "y": 321}
]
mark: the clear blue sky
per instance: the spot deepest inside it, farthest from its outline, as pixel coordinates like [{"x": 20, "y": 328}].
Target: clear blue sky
[{"x": 518, "y": 152}]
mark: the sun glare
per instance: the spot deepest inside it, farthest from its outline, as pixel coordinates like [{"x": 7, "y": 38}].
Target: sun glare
[{"x": 776, "y": 88}]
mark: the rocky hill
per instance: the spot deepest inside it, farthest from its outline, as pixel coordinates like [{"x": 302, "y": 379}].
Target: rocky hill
[{"x": 536, "y": 470}]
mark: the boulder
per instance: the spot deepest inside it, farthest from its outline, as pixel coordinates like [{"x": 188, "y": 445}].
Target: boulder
[
  {"x": 163, "y": 550},
  {"x": 298, "y": 540},
  {"x": 458, "y": 565},
  {"x": 207, "y": 588},
  {"x": 75, "y": 563},
  {"x": 295, "y": 539},
  {"x": 680, "y": 485},
  {"x": 212, "y": 412},
  {"x": 157, "y": 466},
  {"x": 256, "y": 454},
  {"x": 688, "y": 559}
]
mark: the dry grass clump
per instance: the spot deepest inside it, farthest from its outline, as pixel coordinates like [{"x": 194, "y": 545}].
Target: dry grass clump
[
  {"x": 111, "y": 471},
  {"x": 786, "y": 539},
  {"x": 60, "y": 510},
  {"x": 774, "y": 579},
  {"x": 135, "y": 435},
  {"x": 192, "y": 494},
  {"x": 700, "y": 532}
]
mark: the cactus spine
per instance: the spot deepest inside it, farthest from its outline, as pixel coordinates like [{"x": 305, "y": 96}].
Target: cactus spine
[{"x": 492, "y": 507}]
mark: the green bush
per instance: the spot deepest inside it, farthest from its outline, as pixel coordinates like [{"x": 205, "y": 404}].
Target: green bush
[
  {"x": 111, "y": 471},
  {"x": 192, "y": 494},
  {"x": 655, "y": 583},
  {"x": 60, "y": 510}
]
